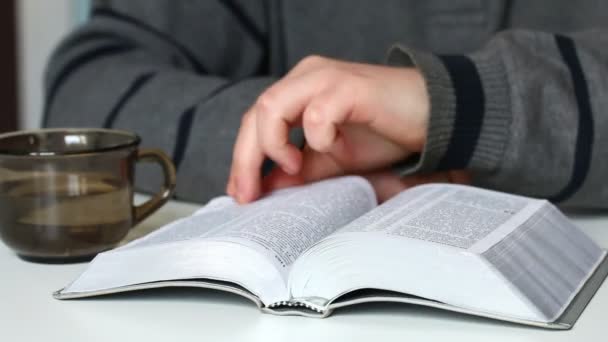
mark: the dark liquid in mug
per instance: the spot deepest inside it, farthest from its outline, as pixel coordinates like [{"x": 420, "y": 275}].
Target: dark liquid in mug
[{"x": 67, "y": 221}]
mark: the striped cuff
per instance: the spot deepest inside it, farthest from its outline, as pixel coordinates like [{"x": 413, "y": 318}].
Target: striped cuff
[{"x": 470, "y": 115}]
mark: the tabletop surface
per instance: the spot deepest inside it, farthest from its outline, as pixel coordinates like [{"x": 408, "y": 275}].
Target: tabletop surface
[{"x": 29, "y": 313}]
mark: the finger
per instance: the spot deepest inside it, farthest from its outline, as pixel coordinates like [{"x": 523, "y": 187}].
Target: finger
[
  {"x": 388, "y": 184},
  {"x": 318, "y": 165},
  {"x": 247, "y": 159},
  {"x": 315, "y": 166},
  {"x": 280, "y": 108},
  {"x": 279, "y": 179},
  {"x": 230, "y": 189},
  {"x": 459, "y": 176},
  {"x": 325, "y": 112}
]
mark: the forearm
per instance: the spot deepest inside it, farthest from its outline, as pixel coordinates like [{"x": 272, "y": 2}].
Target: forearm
[{"x": 524, "y": 114}]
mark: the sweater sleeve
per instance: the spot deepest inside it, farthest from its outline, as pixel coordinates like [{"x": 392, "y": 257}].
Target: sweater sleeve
[
  {"x": 179, "y": 73},
  {"x": 527, "y": 113}
]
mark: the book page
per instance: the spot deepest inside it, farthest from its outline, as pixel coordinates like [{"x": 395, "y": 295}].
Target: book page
[
  {"x": 415, "y": 244},
  {"x": 281, "y": 225},
  {"x": 499, "y": 253},
  {"x": 451, "y": 215}
]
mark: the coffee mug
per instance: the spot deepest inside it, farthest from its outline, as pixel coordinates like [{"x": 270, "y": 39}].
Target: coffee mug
[{"x": 67, "y": 194}]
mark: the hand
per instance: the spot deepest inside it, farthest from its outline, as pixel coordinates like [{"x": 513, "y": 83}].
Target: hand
[{"x": 357, "y": 118}]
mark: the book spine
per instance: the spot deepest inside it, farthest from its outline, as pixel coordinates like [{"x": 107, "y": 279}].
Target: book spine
[{"x": 295, "y": 305}]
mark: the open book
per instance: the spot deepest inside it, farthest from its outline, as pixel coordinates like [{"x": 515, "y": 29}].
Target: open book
[{"x": 311, "y": 249}]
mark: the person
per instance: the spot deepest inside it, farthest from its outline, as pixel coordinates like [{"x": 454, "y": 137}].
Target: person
[{"x": 508, "y": 94}]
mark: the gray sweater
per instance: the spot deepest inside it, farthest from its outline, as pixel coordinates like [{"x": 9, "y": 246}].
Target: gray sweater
[{"x": 518, "y": 89}]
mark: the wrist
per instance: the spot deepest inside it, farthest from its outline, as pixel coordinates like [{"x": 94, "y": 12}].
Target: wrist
[
  {"x": 468, "y": 124},
  {"x": 420, "y": 108},
  {"x": 413, "y": 108}
]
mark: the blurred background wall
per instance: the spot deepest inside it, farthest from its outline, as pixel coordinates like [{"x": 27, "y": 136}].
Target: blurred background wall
[{"x": 40, "y": 25}]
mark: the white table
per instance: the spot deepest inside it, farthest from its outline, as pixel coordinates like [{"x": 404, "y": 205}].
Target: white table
[{"x": 29, "y": 313}]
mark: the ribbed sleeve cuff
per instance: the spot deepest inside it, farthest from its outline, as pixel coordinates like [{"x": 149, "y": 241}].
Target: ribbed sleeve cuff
[{"x": 470, "y": 116}]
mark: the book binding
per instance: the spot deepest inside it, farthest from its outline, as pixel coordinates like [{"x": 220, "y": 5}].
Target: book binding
[{"x": 309, "y": 308}]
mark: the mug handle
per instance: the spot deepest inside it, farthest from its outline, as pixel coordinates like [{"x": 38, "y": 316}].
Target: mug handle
[{"x": 140, "y": 212}]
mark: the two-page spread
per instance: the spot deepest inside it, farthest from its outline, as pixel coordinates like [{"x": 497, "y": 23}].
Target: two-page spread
[{"x": 311, "y": 249}]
